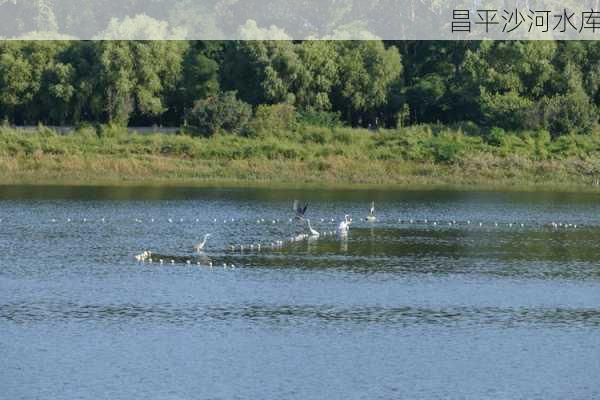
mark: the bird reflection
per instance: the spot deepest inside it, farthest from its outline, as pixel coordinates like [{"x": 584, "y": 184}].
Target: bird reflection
[{"x": 344, "y": 244}]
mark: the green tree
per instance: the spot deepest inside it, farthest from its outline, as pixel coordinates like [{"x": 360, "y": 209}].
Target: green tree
[
  {"x": 366, "y": 72},
  {"x": 264, "y": 72},
  {"x": 321, "y": 65},
  {"x": 135, "y": 77},
  {"x": 15, "y": 80}
]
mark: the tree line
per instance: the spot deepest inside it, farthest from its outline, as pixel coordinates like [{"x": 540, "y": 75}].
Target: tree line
[{"x": 514, "y": 85}]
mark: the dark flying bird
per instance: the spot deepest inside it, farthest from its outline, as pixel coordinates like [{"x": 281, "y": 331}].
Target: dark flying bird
[{"x": 299, "y": 210}]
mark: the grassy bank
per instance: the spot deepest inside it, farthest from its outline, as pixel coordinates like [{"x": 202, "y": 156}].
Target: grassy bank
[{"x": 422, "y": 156}]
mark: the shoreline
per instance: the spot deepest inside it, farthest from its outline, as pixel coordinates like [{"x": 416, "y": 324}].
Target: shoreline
[{"x": 408, "y": 183}]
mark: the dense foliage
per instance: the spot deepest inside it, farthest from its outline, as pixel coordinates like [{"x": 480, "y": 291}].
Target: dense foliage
[
  {"x": 551, "y": 86},
  {"x": 222, "y": 112}
]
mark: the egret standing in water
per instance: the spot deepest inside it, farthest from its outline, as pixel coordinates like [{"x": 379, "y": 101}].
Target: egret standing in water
[
  {"x": 344, "y": 226},
  {"x": 299, "y": 210},
  {"x": 200, "y": 246},
  {"x": 313, "y": 233},
  {"x": 371, "y": 217}
]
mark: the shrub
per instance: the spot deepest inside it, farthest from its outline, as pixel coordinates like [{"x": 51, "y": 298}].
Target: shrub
[
  {"x": 570, "y": 113},
  {"x": 224, "y": 112},
  {"x": 316, "y": 135},
  {"x": 342, "y": 137},
  {"x": 448, "y": 148},
  {"x": 321, "y": 118},
  {"x": 86, "y": 132},
  {"x": 112, "y": 131},
  {"x": 273, "y": 119}
]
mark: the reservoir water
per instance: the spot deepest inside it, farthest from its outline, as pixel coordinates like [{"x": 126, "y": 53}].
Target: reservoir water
[{"x": 449, "y": 295}]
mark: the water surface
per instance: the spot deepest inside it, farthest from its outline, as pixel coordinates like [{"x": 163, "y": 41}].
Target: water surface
[{"x": 509, "y": 309}]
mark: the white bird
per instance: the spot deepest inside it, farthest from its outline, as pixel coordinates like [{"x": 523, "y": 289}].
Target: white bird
[
  {"x": 200, "y": 246},
  {"x": 313, "y": 233},
  {"x": 371, "y": 217},
  {"x": 299, "y": 238},
  {"x": 344, "y": 226}
]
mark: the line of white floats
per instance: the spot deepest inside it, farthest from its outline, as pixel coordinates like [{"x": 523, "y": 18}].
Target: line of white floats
[
  {"x": 151, "y": 258},
  {"x": 555, "y": 225}
]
